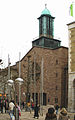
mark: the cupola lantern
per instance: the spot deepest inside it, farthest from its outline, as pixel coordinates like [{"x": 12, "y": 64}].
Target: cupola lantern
[{"x": 46, "y": 24}]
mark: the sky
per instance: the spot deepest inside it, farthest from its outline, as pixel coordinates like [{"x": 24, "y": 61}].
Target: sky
[{"x": 19, "y": 25}]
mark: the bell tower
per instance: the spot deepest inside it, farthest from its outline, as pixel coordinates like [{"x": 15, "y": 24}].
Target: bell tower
[
  {"x": 46, "y": 24},
  {"x": 46, "y": 31}
]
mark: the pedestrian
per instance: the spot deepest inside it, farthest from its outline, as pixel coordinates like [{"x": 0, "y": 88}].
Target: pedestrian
[
  {"x": 6, "y": 105},
  {"x": 32, "y": 106},
  {"x": 36, "y": 111},
  {"x": 56, "y": 108},
  {"x": 2, "y": 104},
  {"x": 23, "y": 104},
  {"x": 63, "y": 115},
  {"x": 17, "y": 112},
  {"x": 11, "y": 108},
  {"x": 29, "y": 107},
  {"x": 51, "y": 115}
]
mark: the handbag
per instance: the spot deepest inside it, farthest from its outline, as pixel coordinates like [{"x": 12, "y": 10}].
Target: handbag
[{"x": 19, "y": 113}]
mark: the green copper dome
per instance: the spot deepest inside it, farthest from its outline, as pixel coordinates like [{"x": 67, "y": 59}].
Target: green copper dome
[{"x": 45, "y": 12}]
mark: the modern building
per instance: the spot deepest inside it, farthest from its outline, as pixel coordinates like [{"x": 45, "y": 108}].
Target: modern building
[{"x": 71, "y": 67}]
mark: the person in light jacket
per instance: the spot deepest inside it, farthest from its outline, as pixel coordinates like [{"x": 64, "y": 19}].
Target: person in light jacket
[
  {"x": 51, "y": 115},
  {"x": 63, "y": 115}
]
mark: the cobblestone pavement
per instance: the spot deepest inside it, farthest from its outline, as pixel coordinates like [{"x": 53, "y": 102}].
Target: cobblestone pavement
[
  {"x": 4, "y": 116},
  {"x": 29, "y": 116}
]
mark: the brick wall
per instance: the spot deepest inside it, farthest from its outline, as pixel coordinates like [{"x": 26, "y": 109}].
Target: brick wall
[{"x": 54, "y": 63}]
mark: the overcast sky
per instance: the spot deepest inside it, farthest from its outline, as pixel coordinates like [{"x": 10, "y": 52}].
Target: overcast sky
[{"x": 19, "y": 25}]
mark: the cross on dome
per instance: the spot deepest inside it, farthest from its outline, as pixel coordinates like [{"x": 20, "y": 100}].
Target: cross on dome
[{"x": 45, "y": 6}]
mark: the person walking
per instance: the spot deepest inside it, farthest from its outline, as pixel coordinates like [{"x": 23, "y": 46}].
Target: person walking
[
  {"x": 6, "y": 105},
  {"x": 51, "y": 115},
  {"x": 56, "y": 108},
  {"x": 36, "y": 111},
  {"x": 63, "y": 115},
  {"x": 32, "y": 106},
  {"x": 23, "y": 104},
  {"x": 17, "y": 112},
  {"x": 2, "y": 104},
  {"x": 11, "y": 108}
]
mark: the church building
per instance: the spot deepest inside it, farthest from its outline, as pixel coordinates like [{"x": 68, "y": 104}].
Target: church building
[{"x": 44, "y": 68}]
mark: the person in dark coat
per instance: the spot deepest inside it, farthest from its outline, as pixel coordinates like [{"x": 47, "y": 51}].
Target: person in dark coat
[
  {"x": 36, "y": 111},
  {"x": 23, "y": 104},
  {"x": 2, "y": 104},
  {"x": 56, "y": 108},
  {"x": 6, "y": 105},
  {"x": 50, "y": 115}
]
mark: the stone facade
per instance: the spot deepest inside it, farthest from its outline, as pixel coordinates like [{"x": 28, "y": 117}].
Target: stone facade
[
  {"x": 55, "y": 74},
  {"x": 71, "y": 66},
  {"x": 55, "y": 77}
]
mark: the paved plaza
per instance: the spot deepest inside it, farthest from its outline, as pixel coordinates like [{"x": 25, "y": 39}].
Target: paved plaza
[{"x": 30, "y": 116}]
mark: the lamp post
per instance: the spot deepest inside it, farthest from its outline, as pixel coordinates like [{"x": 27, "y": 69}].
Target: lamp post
[
  {"x": 28, "y": 80},
  {"x": 34, "y": 80},
  {"x": 11, "y": 83},
  {"x": 9, "y": 73},
  {"x": 19, "y": 80},
  {"x": 41, "y": 89}
]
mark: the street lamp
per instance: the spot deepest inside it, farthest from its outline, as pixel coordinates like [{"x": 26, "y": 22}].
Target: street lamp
[
  {"x": 11, "y": 83},
  {"x": 19, "y": 80}
]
